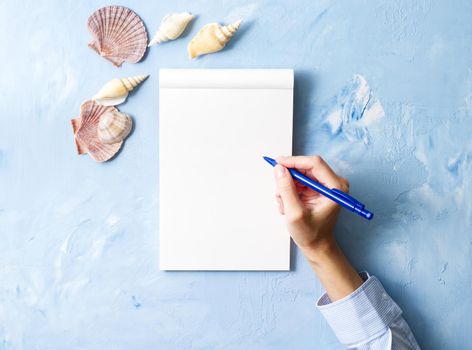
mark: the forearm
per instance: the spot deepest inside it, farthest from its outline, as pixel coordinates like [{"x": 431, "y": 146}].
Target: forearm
[
  {"x": 366, "y": 316},
  {"x": 335, "y": 272}
]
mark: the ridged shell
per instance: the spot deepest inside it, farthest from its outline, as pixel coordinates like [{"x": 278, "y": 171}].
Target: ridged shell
[
  {"x": 116, "y": 91},
  {"x": 118, "y": 34},
  {"x": 86, "y": 132},
  {"x": 211, "y": 38},
  {"x": 114, "y": 126},
  {"x": 171, "y": 27}
]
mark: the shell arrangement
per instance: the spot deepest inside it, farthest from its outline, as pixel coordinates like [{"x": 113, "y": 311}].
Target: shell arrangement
[
  {"x": 100, "y": 130},
  {"x": 119, "y": 35}
]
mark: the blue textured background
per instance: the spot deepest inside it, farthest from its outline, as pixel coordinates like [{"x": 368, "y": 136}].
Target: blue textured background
[{"x": 79, "y": 240}]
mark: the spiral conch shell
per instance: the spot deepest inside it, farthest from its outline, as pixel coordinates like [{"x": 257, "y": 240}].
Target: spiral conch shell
[
  {"x": 116, "y": 91},
  {"x": 114, "y": 127},
  {"x": 211, "y": 38},
  {"x": 172, "y": 26},
  {"x": 118, "y": 34}
]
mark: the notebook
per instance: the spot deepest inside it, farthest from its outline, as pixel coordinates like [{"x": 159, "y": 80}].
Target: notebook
[{"x": 217, "y": 207}]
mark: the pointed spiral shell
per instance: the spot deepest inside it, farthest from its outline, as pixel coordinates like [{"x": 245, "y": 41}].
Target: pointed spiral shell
[
  {"x": 116, "y": 91},
  {"x": 131, "y": 82},
  {"x": 171, "y": 27},
  {"x": 211, "y": 38},
  {"x": 224, "y": 33}
]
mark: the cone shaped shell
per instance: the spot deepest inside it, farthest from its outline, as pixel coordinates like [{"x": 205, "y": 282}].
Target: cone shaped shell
[
  {"x": 172, "y": 26},
  {"x": 118, "y": 34},
  {"x": 86, "y": 132},
  {"x": 116, "y": 91},
  {"x": 211, "y": 38},
  {"x": 114, "y": 126}
]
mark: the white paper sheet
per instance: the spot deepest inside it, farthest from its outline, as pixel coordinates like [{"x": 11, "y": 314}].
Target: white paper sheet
[{"x": 217, "y": 206}]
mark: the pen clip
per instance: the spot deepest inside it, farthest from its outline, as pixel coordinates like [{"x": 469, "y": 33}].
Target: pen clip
[{"x": 349, "y": 198}]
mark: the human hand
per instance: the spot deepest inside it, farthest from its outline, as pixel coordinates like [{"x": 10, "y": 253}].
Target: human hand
[{"x": 310, "y": 216}]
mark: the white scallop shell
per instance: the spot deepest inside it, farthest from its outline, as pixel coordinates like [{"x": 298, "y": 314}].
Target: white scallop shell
[
  {"x": 211, "y": 38},
  {"x": 114, "y": 127},
  {"x": 172, "y": 26},
  {"x": 116, "y": 91}
]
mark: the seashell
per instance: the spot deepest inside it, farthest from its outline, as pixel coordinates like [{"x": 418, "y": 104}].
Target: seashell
[
  {"x": 118, "y": 34},
  {"x": 116, "y": 91},
  {"x": 86, "y": 132},
  {"x": 211, "y": 38},
  {"x": 114, "y": 126},
  {"x": 171, "y": 27},
  {"x": 75, "y": 126}
]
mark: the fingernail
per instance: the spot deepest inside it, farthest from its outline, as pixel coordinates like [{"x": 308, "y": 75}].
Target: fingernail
[{"x": 280, "y": 171}]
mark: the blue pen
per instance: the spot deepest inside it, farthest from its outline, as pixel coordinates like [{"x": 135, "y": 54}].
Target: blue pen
[{"x": 334, "y": 194}]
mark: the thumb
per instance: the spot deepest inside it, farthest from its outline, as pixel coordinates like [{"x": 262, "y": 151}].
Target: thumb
[{"x": 293, "y": 207}]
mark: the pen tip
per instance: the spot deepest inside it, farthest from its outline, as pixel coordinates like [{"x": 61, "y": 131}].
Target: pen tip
[
  {"x": 270, "y": 160},
  {"x": 368, "y": 215}
]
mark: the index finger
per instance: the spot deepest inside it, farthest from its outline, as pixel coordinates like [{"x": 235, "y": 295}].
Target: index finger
[{"x": 314, "y": 166}]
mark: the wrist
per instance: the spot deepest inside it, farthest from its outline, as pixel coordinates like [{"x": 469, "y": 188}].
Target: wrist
[{"x": 321, "y": 252}]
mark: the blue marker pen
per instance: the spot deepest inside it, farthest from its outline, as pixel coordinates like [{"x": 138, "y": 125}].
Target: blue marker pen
[{"x": 334, "y": 194}]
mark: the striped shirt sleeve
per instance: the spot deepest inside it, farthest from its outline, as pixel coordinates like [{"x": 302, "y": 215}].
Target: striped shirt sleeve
[{"x": 368, "y": 318}]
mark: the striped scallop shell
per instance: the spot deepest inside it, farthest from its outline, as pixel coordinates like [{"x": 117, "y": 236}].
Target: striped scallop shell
[
  {"x": 114, "y": 127},
  {"x": 86, "y": 132},
  {"x": 118, "y": 34}
]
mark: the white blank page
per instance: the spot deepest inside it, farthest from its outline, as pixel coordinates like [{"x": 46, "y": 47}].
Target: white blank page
[{"x": 217, "y": 204}]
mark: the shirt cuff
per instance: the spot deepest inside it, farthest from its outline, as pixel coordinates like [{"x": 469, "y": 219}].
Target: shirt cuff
[{"x": 361, "y": 316}]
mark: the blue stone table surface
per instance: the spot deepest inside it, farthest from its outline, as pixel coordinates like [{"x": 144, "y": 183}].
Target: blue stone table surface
[{"x": 383, "y": 90}]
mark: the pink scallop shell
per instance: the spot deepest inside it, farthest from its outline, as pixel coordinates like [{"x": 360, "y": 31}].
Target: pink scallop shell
[
  {"x": 85, "y": 129},
  {"x": 118, "y": 34}
]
